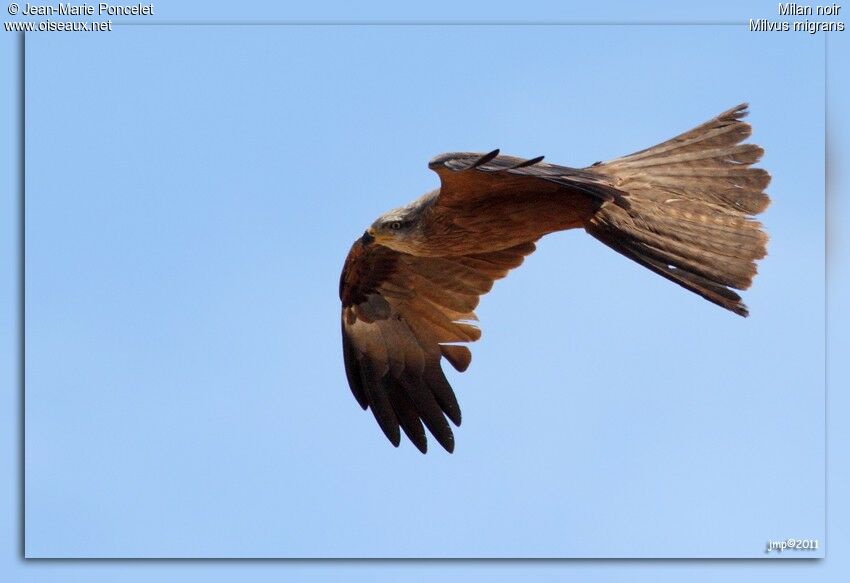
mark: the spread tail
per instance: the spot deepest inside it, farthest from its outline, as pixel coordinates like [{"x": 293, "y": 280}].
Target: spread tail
[{"x": 685, "y": 207}]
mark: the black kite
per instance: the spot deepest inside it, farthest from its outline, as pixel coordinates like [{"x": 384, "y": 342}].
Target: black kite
[{"x": 411, "y": 283}]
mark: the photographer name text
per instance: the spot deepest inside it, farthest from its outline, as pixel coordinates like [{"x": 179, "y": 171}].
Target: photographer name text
[{"x": 100, "y": 9}]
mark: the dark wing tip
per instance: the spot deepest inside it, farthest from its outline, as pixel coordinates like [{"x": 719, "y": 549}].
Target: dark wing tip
[
  {"x": 352, "y": 369},
  {"x": 449, "y": 446},
  {"x": 485, "y": 158},
  {"x": 741, "y": 309},
  {"x": 407, "y": 415},
  {"x": 393, "y": 436},
  {"x": 526, "y": 163}
]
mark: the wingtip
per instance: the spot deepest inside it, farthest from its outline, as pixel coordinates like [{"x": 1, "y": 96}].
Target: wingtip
[
  {"x": 527, "y": 163},
  {"x": 450, "y": 446},
  {"x": 485, "y": 158},
  {"x": 457, "y": 418},
  {"x": 392, "y": 434}
]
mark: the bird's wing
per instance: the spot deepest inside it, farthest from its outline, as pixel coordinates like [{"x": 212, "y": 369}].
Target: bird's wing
[
  {"x": 468, "y": 177},
  {"x": 684, "y": 208},
  {"x": 400, "y": 316}
]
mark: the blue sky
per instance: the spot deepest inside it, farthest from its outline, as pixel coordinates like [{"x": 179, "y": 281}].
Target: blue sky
[
  {"x": 187, "y": 217},
  {"x": 185, "y": 392}
]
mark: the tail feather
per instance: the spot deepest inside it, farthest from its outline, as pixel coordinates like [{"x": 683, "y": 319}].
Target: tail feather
[{"x": 686, "y": 212}]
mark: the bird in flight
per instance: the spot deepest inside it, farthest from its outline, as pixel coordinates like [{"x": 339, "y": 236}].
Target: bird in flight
[{"x": 411, "y": 283}]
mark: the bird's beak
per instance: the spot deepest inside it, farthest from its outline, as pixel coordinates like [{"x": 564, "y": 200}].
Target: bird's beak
[{"x": 368, "y": 236}]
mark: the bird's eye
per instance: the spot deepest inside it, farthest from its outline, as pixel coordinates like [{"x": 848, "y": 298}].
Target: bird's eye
[{"x": 395, "y": 225}]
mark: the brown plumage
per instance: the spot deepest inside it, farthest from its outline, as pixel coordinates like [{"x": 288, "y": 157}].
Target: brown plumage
[{"x": 410, "y": 285}]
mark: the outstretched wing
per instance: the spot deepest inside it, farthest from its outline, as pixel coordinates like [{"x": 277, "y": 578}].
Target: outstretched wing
[
  {"x": 400, "y": 316},
  {"x": 468, "y": 177},
  {"x": 503, "y": 200}
]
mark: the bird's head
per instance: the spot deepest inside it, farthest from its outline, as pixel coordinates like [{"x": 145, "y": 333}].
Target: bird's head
[
  {"x": 396, "y": 229},
  {"x": 391, "y": 226}
]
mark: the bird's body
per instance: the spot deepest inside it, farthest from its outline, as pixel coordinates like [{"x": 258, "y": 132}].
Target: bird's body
[
  {"x": 411, "y": 283},
  {"x": 440, "y": 230}
]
